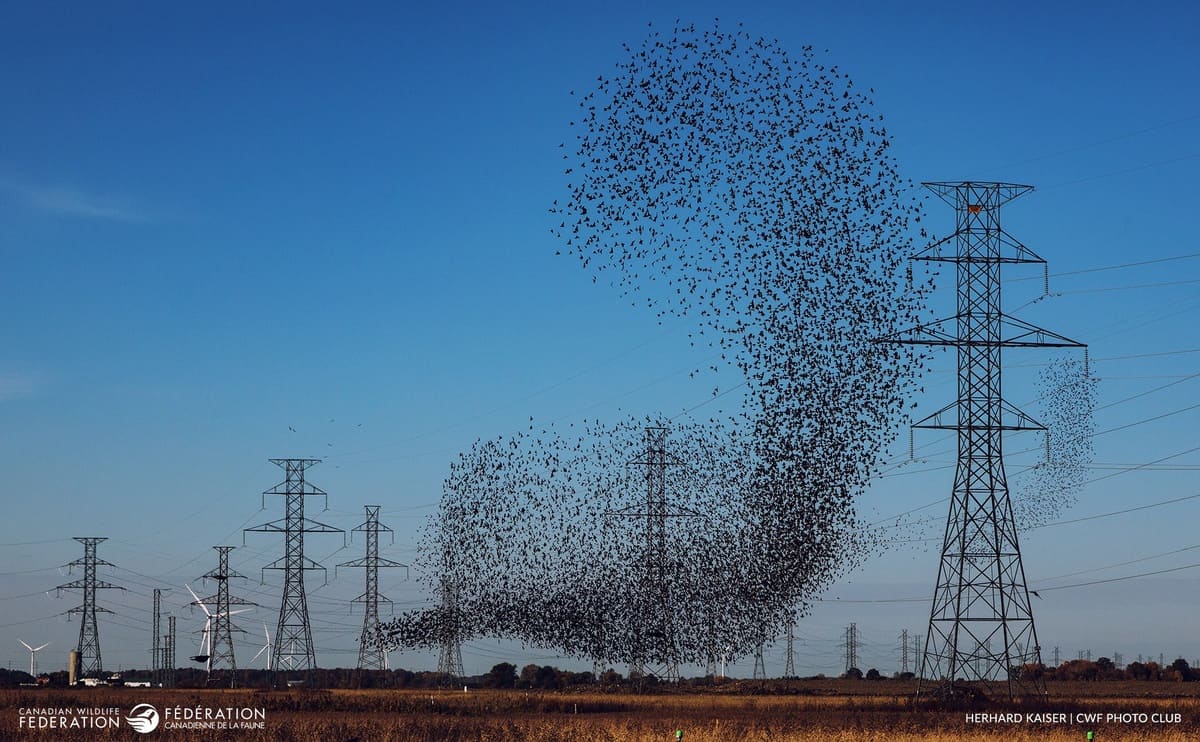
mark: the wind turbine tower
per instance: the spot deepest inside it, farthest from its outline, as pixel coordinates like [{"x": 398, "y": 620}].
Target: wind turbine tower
[{"x": 33, "y": 656}]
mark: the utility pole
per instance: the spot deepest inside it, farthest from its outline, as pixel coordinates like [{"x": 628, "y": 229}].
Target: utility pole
[
  {"x": 981, "y": 590},
  {"x": 371, "y": 653},
  {"x": 88, "y": 648},
  {"x": 221, "y": 626},
  {"x": 293, "y": 635}
]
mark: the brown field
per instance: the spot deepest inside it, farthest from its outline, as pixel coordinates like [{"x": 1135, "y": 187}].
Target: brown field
[{"x": 803, "y": 711}]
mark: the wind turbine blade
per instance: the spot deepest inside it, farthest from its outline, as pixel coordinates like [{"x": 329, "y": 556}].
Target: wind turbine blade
[
  {"x": 38, "y": 649},
  {"x": 198, "y": 601},
  {"x": 259, "y": 653},
  {"x": 26, "y": 645}
]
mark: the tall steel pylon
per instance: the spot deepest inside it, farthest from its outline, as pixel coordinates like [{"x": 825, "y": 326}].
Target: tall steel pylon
[
  {"x": 789, "y": 665},
  {"x": 88, "y": 648},
  {"x": 450, "y": 663},
  {"x": 168, "y": 662},
  {"x": 372, "y": 655},
  {"x": 760, "y": 668},
  {"x": 981, "y": 592},
  {"x": 293, "y": 648},
  {"x": 659, "y": 652},
  {"x": 221, "y": 626},
  {"x": 851, "y": 645},
  {"x": 156, "y": 640}
]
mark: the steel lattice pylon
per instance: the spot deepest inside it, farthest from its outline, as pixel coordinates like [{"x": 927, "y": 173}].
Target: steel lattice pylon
[
  {"x": 659, "y": 653},
  {"x": 372, "y": 655},
  {"x": 981, "y": 622},
  {"x": 221, "y": 626},
  {"x": 789, "y": 665},
  {"x": 90, "y": 664},
  {"x": 760, "y": 668},
  {"x": 156, "y": 640},
  {"x": 851, "y": 645},
  {"x": 169, "y": 654},
  {"x": 450, "y": 663},
  {"x": 293, "y": 642}
]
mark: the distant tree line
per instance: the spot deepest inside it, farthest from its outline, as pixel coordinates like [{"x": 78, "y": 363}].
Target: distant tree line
[
  {"x": 1105, "y": 669},
  {"x": 506, "y": 675}
]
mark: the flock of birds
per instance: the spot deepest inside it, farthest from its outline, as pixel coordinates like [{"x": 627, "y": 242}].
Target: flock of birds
[
  {"x": 1068, "y": 402},
  {"x": 717, "y": 179}
]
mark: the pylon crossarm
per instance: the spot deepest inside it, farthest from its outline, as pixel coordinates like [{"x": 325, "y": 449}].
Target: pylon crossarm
[{"x": 1031, "y": 336}]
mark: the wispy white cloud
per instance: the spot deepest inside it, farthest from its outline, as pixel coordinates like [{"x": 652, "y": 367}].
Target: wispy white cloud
[
  {"x": 71, "y": 201},
  {"x": 13, "y": 385}
]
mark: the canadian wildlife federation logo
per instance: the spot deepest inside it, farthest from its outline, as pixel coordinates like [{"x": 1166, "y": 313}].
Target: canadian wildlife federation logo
[{"x": 143, "y": 718}]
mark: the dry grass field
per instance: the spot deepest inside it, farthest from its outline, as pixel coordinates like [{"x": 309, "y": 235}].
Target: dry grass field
[{"x": 807, "y": 711}]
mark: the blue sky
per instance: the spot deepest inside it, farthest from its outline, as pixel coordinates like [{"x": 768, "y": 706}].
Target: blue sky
[{"x": 218, "y": 223}]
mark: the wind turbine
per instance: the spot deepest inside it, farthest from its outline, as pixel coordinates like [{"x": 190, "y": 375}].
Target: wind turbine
[
  {"x": 206, "y": 641},
  {"x": 33, "y": 656},
  {"x": 266, "y": 647}
]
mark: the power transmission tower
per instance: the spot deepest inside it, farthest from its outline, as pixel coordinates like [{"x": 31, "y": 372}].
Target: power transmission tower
[
  {"x": 169, "y": 654},
  {"x": 1118, "y": 660},
  {"x": 981, "y": 591},
  {"x": 851, "y": 646},
  {"x": 916, "y": 654},
  {"x": 221, "y": 627},
  {"x": 156, "y": 643},
  {"x": 760, "y": 669},
  {"x": 1057, "y": 658},
  {"x": 88, "y": 648},
  {"x": 789, "y": 665},
  {"x": 658, "y": 655},
  {"x": 710, "y": 643},
  {"x": 450, "y": 664},
  {"x": 293, "y": 648},
  {"x": 371, "y": 653},
  {"x": 904, "y": 651}
]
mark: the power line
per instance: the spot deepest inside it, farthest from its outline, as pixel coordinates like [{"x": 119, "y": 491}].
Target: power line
[
  {"x": 1119, "y": 266},
  {"x": 1121, "y": 579},
  {"x": 1106, "y": 140},
  {"x": 1125, "y": 171},
  {"x": 1125, "y": 563},
  {"x": 1120, "y": 512}
]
